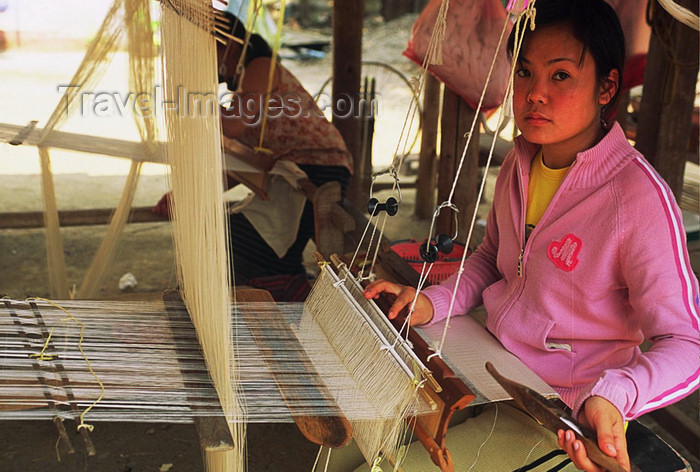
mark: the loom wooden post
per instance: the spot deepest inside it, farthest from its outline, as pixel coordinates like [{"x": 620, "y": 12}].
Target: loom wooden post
[
  {"x": 366, "y": 112},
  {"x": 427, "y": 164},
  {"x": 665, "y": 113},
  {"x": 331, "y": 222},
  {"x": 456, "y": 120},
  {"x": 347, "y": 70},
  {"x": 328, "y": 430},
  {"x": 212, "y": 429}
]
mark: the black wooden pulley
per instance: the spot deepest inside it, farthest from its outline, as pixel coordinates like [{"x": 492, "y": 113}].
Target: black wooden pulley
[
  {"x": 429, "y": 251},
  {"x": 391, "y": 206}
]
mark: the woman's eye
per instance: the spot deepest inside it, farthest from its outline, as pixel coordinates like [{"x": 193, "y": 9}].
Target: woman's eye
[
  {"x": 561, "y": 76},
  {"x": 522, "y": 73}
]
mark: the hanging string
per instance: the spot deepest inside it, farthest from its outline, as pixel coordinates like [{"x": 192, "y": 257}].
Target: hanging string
[
  {"x": 525, "y": 16},
  {"x": 271, "y": 78},
  {"x": 320, "y": 450},
  {"x": 432, "y": 56},
  {"x": 252, "y": 17}
]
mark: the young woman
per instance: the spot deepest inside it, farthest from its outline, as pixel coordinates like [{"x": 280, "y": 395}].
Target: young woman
[{"x": 584, "y": 255}]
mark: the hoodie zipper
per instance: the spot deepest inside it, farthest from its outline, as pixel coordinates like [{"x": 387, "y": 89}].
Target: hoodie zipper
[
  {"x": 523, "y": 197},
  {"x": 520, "y": 262},
  {"x": 520, "y": 284}
]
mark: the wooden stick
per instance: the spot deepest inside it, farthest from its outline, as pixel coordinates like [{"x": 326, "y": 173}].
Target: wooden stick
[
  {"x": 534, "y": 404},
  {"x": 97, "y": 216},
  {"x": 328, "y": 430},
  {"x": 22, "y": 135},
  {"x": 58, "y": 421}
]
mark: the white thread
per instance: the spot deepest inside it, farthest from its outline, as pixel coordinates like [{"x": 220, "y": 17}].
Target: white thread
[
  {"x": 328, "y": 459},
  {"x": 313, "y": 468},
  {"x": 435, "y": 354},
  {"x": 493, "y": 427},
  {"x": 530, "y": 453}
]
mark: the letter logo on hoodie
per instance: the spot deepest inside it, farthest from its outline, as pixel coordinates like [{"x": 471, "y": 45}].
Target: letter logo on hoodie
[{"x": 564, "y": 253}]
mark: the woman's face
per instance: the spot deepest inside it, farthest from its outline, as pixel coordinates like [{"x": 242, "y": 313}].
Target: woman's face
[{"x": 557, "y": 97}]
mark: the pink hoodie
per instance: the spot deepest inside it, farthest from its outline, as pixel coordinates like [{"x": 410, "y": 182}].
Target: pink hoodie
[{"x": 606, "y": 267}]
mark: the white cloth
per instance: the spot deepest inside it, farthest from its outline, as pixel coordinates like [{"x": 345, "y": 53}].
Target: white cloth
[{"x": 277, "y": 219}]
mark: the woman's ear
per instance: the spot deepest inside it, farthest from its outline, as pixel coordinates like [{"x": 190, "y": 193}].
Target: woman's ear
[{"x": 609, "y": 87}]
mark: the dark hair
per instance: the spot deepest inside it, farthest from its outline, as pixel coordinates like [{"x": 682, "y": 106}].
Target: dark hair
[
  {"x": 257, "y": 47},
  {"x": 595, "y": 24}
]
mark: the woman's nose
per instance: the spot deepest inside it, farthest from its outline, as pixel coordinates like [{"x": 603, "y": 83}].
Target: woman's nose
[{"x": 536, "y": 94}]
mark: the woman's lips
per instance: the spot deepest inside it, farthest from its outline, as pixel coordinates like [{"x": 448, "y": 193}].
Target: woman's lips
[{"x": 536, "y": 119}]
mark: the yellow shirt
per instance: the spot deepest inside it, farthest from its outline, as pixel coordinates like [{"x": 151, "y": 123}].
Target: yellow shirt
[{"x": 544, "y": 183}]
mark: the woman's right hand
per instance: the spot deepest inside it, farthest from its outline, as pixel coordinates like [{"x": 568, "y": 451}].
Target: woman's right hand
[{"x": 423, "y": 311}]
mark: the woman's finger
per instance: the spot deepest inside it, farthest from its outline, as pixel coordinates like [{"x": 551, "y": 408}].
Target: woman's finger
[
  {"x": 576, "y": 451},
  {"x": 381, "y": 286},
  {"x": 405, "y": 297}
]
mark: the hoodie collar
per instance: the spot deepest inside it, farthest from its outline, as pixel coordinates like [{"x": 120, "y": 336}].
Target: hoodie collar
[{"x": 593, "y": 166}]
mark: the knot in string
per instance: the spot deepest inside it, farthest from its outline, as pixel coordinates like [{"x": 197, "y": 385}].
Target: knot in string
[
  {"x": 371, "y": 277},
  {"x": 389, "y": 348},
  {"x": 393, "y": 173},
  {"x": 419, "y": 383},
  {"x": 323, "y": 265},
  {"x": 339, "y": 282},
  {"x": 263, "y": 150},
  {"x": 530, "y": 14},
  {"x": 89, "y": 427},
  {"x": 415, "y": 84},
  {"x": 40, "y": 356},
  {"x": 435, "y": 354}
]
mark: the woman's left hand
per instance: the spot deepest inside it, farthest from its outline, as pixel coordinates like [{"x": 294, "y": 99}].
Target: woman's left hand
[{"x": 600, "y": 416}]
